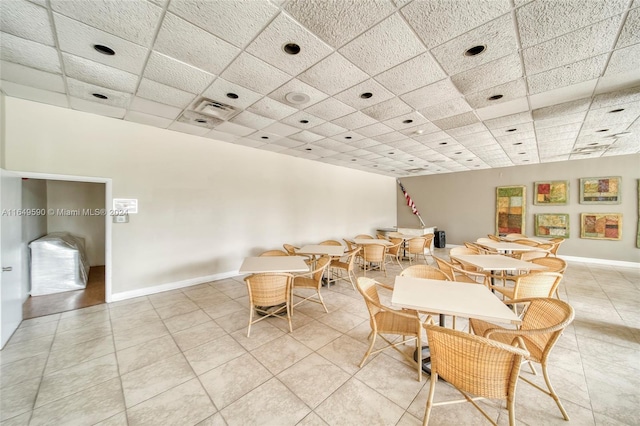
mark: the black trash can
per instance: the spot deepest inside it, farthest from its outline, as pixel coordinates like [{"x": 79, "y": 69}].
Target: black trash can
[{"x": 439, "y": 240}]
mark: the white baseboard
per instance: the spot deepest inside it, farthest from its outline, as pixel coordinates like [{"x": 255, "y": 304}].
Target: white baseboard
[{"x": 115, "y": 297}]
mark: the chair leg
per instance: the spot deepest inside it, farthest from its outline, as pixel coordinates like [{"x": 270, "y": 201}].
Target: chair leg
[
  {"x": 289, "y": 312},
  {"x": 553, "y": 393},
  {"x": 251, "y": 309},
  {"x": 351, "y": 280},
  {"x": 322, "y": 302},
  {"x": 432, "y": 391},
  {"x": 373, "y": 342},
  {"x": 511, "y": 407}
]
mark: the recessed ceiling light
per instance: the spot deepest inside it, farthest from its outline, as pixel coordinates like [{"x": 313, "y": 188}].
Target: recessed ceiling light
[
  {"x": 522, "y": 153},
  {"x": 105, "y": 50},
  {"x": 475, "y": 50},
  {"x": 264, "y": 137},
  {"x": 353, "y": 159},
  {"x": 291, "y": 48},
  {"x": 495, "y": 97},
  {"x": 391, "y": 153},
  {"x": 593, "y": 143},
  {"x": 459, "y": 152},
  {"x": 200, "y": 120},
  {"x": 410, "y": 160},
  {"x": 517, "y": 143},
  {"x": 407, "y": 121},
  {"x": 375, "y": 165},
  {"x": 617, "y": 110},
  {"x": 525, "y": 161},
  {"x": 100, "y": 96},
  {"x": 443, "y": 143},
  {"x": 304, "y": 121},
  {"x": 470, "y": 159},
  {"x": 366, "y": 95},
  {"x": 307, "y": 149},
  {"x": 297, "y": 98},
  {"x": 602, "y": 130},
  {"x": 232, "y": 95},
  {"x": 511, "y": 130},
  {"x": 347, "y": 137}
]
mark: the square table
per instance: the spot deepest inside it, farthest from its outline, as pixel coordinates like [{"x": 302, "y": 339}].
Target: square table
[
  {"x": 508, "y": 247},
  {"x": 263, "y": 264},
  {"x": 536, "y": 239},
  {"x": 321, "y": 249},
  {"x": 497, "y": 262},
  {"x": 363, "y": 241}
]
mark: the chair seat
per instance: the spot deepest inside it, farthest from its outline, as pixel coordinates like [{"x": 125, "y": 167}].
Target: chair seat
[
  {"x": 480, "y": 328},
  {"x": 339, "y": 264},
  {"x": 305, "y": 282},
  {"x": 398, "y": 325},
  {"x": 506, "y": 291}
]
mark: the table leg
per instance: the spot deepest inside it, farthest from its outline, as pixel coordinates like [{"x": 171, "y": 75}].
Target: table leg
[{"x": 425, "y": 353}]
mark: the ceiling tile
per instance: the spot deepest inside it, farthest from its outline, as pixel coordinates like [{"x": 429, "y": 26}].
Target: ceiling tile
[
  {"x": 306, "y": 136},
  {"x": 561, "y": 17},
  {"x": 624, "y": 60},
  {"x": 132, "y": 20},
  {"x": 354, "y": 120},
  {"x": 457, "y": 121},
  {"x": 247, "y": 142},
  {"x": 348, "y": 137},
  {"x": 26, "y": 20},
  {"x": 186, "y": 42},
  {"x": 328, "y": 129},
  {"x": 333, "y": 74},
  {"x": 222, "y": 18},
  {"x": 407, "y": 121},
  {"x": 388, "y": 109},
  {"x": 375, "y": 130},
  {"x": 446, "y": 109},
  {"x": 388, "y": 137},
  {"x": 221, "y": 136},
  {"x": 563, "y": 109},
  {"x": 338, "y": 22},
  {"x": 412, "y": 74},
  {"x": 82, "y": 90},
  {"x": 249, "y": 119},
  {"x": 572, "y": 47},
  {"x": 489, "y": 75},
  {"x": 302, "y": 120},
  {"x": 509, "y": 91},
  {"x": 564, "y": 119},
  {"x": 99, "y": 74},
  {"x": 567, "y": 75},
  {"x": 79, "y": 39},
  {"x": 188, "y": 128},
  {"x": 151, "y": 120},
  {"x": 389, "y": 43},
  {"x": 235, "y": 129},
  {"x": 353, "y": 96},
  {"x": 241, "y": 97},
  {"x": 164, "y": 94},
  {"x": 171, "y": 72},
  {"x": 498, "y": 37},
  {"x": 509, "y": 120},
  {"x": 270, "y": 108},
  {"x": 563, "y": 94},
  {"x": 629, "y": 95},
  {"x": 96, "y": 108},
  {"x": 437, "y": 21},
  {"x": 297, "y": 86},
  {"x": 289, "y": 143},
  {"x": 630, "y": 34},
  {"x": 154, "y": 108},
  {"x": 29, "y": 53},
  {"x": 265, "y": 137},
  {"x": 432, "y": 94},
  {"x": 269, "y": 46},
  {"x": 31, "y": 77},
  {"x": 362, "y": 143},
  {"x": 281, "y": 129},
  {"x": 467, "y": 129},
  {"x": 251, "y": 72},
  {"x": 34, "y": 94},
  {"x": 334, "y": 145},
  {"x": 330, "y": 109}
]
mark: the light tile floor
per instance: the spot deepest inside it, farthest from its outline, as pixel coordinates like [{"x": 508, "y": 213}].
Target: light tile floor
[{"x": 183, "y": 358}]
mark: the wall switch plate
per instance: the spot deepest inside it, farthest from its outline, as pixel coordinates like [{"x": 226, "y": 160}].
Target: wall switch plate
[{"x": 121, "y": 219}]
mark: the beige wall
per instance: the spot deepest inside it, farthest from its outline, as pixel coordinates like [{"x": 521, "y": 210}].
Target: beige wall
[
  {"x": 463, "y": 204},
  {"x": 204, "y": 204},
  {"x": 78, "y": 197},
  {"x": 34, "y": 196}
]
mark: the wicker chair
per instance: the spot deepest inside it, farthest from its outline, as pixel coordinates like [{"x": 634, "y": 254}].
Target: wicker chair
[
  {"x": 515, "y": 236},
  {"x": 425, "y": 271},
  {"x": 415, "y": 249},
  {"x": 553, "y": 264},
  {"x": 392, "y": 252},
  {"x": 384, "y": 320},
  {"x": 311, "y": 280},
  {"x": 476, "y": 366},
  {"x": 553, "y": 251},
  {"x": 542, "y": 250},
  {"x": 493, "y": 237},
  {"x": 269, "y": 295},
  {"x": 363, "y": 237},
  {"x": 463, "y": 251},
  {"x": 534, "y": 284},
  {"x": 373, "y": 253},
  {"x": 543, "y": 322},
  {"x": 290, "y": 249},
  {"x": 461, "y": 275},
  {"x": 429, "y": 242},
  {"x": 345, "y": 265},
  {"x": 274, "y": 253},
  {"x": 332, "y": 243},
  {"x": 381, "y": 237}
]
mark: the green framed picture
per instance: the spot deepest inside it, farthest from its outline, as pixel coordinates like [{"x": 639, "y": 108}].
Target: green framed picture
[
  {"x": 552, "y": 225},
  {"x": 510, "y": 209},
  {"x": 601, "y": 226},
  {"x": 600, "y": 190},
  {"x": 551, "y": 193}
]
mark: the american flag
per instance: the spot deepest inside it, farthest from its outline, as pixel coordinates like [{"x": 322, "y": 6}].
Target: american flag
[{"x": 410, "y": 202}]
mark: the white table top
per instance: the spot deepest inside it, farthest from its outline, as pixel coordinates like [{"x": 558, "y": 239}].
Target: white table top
[
  {"x": 254, "y": 265},
  {"x": 451, "y": 298},
  {"x": 536, "y": 239},
  {"x": 362, "y": 241},
  {"x": 497, "y": 262},
  {"x": 505, "y": 246},
  {"x": 320, "y": 249}
]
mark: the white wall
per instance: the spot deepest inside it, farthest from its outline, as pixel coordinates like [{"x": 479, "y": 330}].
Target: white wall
[
  {"x": 464, "y": 204},
  {"x": 79, "y": 197},
  {"x": 34, "y": 196},
  {"x": 204, "y": 204}
]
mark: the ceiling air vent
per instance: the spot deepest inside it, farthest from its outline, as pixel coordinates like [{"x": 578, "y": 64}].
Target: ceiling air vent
[
  {"x": 215, "y": 109},
  {"x": 200, "y": 120},
  {"x": 417, "y": 170}
]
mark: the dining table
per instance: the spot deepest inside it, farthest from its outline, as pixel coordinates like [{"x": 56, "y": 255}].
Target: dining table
[
  {"x": 449, "y": 298},
  {"x": 534, "y": 239},
  {"x": 321, "y": 250},
  {"x": 497, "y": 262},
  {"x": 273, "y": 264},
  {"x": 365, "y": 241},
  {"x": 507, "y": 247}
]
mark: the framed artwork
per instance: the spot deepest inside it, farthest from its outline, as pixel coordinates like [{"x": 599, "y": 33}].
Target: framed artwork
[
  {"x": 601, "y": 190},
  {"x": 510, "y": 209},
  {"x": 553, "y": 225},
  {"x": 601, "y": 226},
  {"x": 551, "y": 193}
]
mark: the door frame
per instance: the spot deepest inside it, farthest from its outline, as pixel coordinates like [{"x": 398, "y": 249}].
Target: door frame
[{"x": 108, "y": 219}]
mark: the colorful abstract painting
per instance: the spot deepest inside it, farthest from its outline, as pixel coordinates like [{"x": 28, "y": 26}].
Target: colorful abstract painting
[
  {"x": 510, "y": 209},
  {"x": 553, "y": 225},
  {"x": 602, "y": 190},
  {"x": 551, "y": 193},
  {"x": 601, "y": 226}
]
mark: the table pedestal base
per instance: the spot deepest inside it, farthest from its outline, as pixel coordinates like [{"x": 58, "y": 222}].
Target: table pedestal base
[{"x": 425, "y": 356}]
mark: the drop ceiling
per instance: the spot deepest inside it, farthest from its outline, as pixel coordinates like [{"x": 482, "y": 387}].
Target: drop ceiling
[{"x": 386, "y": 86}]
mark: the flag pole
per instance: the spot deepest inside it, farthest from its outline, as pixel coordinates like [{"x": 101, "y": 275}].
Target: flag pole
[{"x": 410, "y": 203}]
